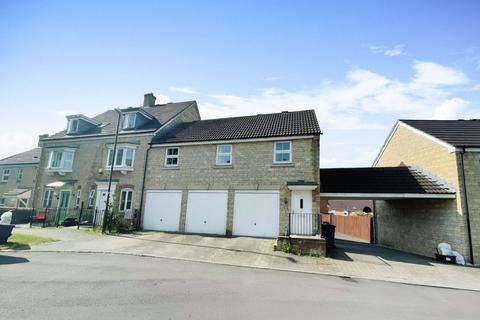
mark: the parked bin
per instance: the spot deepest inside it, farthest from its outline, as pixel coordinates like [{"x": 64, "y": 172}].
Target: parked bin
[{"x": 328, "y": 233}]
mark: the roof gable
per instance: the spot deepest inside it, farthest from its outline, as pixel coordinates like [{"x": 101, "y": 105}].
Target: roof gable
[{"x": 27, "y": 157}]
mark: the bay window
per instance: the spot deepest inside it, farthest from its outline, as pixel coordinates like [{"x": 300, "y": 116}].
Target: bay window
[
  {"x": 61, "y": 160},
  {"x": 123, "y": 158}
]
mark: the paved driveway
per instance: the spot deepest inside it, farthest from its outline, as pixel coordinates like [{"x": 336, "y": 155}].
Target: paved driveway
[{"x": 351, "y": 259}]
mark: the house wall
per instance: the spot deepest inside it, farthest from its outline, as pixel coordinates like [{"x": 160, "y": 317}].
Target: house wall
[
  {"x": 27, "y": 181},
  {"x": 90, "y": 167},
  {"x": 419, "y": 225},
  {"x": 252, "y": 169},
  {"x": 472, "y": 174}
]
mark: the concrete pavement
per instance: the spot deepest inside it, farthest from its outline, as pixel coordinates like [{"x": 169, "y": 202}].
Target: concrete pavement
[
  {"x": 104, "y": 286},
  {"x": 357, "y": 262}
]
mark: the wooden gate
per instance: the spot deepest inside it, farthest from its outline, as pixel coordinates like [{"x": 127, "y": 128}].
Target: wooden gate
[{"x": 356, "y": 226}]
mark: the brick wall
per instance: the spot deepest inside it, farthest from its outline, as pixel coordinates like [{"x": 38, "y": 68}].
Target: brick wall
[
  {"x": 252, "y": 169},
  {"x": 419, "y": 225}
]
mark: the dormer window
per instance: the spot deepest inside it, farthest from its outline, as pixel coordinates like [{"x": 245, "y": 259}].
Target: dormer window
[
  {"x": 72, "y": 126},
  {"x": 129, "y": 120}
]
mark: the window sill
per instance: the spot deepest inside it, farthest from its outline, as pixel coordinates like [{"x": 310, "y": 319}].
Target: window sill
[
  {"x": 58, "y": 170},
  {"x": 286, "y": 164},
  {"x": 119, "y": 168},
  {"x": 219, "y": 166},
  {"x": 171, "y": 168}
]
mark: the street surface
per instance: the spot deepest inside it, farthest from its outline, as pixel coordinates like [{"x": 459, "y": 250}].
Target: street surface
[{"x": 39, "y": 285}]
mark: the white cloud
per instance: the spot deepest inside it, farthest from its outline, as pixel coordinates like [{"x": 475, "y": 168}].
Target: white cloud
[
  {"x": 161, "y": 98},
  {"x": 183, "y": 90},
  {"x": 450, "y": 109},
  {"x": 434, "y": 74},
  {"x": 476, "y": 87},
  {"x": 271, "y": 78},
  {"x": 397, "y": 50},
  {"x": 361, "y": 101},
  {"x": 16, "y": 142}
]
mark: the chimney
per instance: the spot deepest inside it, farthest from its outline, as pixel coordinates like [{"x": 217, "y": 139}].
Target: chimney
[{"x": 149, "y": 100}]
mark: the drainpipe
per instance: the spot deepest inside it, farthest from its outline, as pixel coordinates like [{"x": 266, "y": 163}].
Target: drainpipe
[
  {"x": 140, "y": 211},
  {"x": 467, "y": 213}
]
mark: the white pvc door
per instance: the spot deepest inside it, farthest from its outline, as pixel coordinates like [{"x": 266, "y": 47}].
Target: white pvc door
[
  {"x": 256, "y": 213},
  {"x": 162, "y": 210},
  {"x": 207, "y": 212},
  {"x": 301, "y": 219}
]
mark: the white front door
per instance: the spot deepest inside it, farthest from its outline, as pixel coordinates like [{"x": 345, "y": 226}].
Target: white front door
[
  {"x": 301, "y": 219},
  {"x": 207, "y": 212},
  {"x": 101, "y": 202}
]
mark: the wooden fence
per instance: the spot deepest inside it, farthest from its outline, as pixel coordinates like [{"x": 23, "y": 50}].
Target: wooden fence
[{"x": 355, "y": 226}]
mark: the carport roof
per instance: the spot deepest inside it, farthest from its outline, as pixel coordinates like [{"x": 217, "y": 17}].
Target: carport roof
[{"x": 381, "y": 183}]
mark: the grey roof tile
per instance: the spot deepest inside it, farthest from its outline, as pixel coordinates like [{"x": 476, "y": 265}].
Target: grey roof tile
[
  {"x": 161, "y": 113},
  {"x": 30, "y": 156},
  {"x": 247, "y": 127},
  {"x": 458, "y": 133},
  {"x": 380, "y": 180}
]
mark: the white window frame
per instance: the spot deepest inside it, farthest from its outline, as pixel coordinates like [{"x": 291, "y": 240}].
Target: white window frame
[
  {"x": 6, "y": 175},
  {"x": 223, "y": 154},
  {"x": 275, "y": 152},
  {"x": 123, "y": 165},
  {"x": 65, "y": 165},
  {"x": 176, "y": 156},
  {"x": 78, "y": 198},
  {"x": 70, "y": 125},
  {"x": 50, "y": 197},
  {"x": 127, "y": 191},
  {"x": 126, "y": 124},
  {"x": 91, "y": 198}
]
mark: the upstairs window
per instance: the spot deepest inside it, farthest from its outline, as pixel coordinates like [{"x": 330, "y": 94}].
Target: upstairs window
[
  {"x": 123, "y": 158},
  {"x": 72, "y": 126},
  {"x": 129, "y": 120},
  {"x": 61, "y": 160},
  {"x": 20, "y": 174},
  {"x": 126, "y": 200},
  {"x": 282, "y": 152},
  {"x": 5, "y": 175},
  {"x": 171, "y": 157},
  {"x": 224, "y": 155}
]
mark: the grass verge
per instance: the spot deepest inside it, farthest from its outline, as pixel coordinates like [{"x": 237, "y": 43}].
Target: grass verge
[{"x": 23, "y": 241}]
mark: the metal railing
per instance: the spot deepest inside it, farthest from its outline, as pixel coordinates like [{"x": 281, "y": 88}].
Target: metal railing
[{"x": 304, "y": 224}]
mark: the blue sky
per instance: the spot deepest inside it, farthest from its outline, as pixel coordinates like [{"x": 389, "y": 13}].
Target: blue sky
[{"x": 360, "y": 64}]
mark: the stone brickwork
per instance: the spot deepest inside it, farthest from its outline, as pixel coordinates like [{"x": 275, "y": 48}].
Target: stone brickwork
[
  {"x": 472, "y": 174},
  {"x": 419, "y": 225},
  {"x": 25, "y": 180},
  {"x": 90, "y": 167},
  {"x": 252, "y": 169}
]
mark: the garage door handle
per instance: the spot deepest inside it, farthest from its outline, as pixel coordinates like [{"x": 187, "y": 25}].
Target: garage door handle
[
  {"x": 254, "y": 223},
  {"x": 205, "y": 221},
  {"x": 161, "y": 220}
]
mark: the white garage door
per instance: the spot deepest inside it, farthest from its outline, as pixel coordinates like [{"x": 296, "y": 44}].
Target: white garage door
[
  {"x": 162, "y": 210},
  {"x": 207, "y": 212},
  {"x": 256, "y": 213}
]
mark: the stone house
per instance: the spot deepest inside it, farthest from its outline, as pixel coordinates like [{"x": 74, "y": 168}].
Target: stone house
[
  {"x": 18, "y": 175},
  {"x": 234, "y": 176},
  {"x": 447, "y": 151},
  {"x": 74, "y": 166}
]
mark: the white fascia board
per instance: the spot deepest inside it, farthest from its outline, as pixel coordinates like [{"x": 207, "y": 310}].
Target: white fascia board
[
  {"x": 302, "y": 188},
  {"x": 387, "y": 196},
  {"x": 85, "y": 118},
  {"x": 384, "y": 146},
  {"x": 160, "y": 145}
]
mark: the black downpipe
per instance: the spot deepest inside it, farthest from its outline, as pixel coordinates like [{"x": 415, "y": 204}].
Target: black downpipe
[
  {"x": 467, "y": 213},
  {"x": 140, "y": 211}
]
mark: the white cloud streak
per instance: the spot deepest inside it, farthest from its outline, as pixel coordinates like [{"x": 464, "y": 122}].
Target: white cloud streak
[
  {"x": 183, "y": 90},
  {"x": 397, "y": 50}
]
